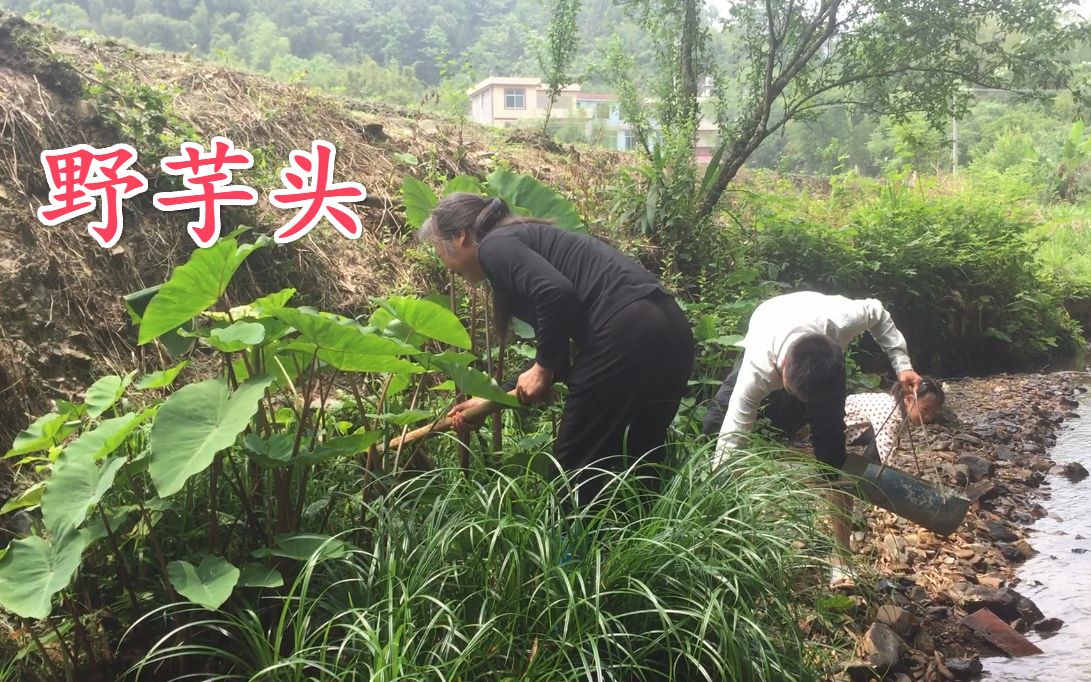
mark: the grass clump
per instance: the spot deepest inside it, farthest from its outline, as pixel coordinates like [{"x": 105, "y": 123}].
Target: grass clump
[{"x": 495, "y": 577}]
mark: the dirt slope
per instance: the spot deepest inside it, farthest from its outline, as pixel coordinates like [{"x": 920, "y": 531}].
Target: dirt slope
[{"x": 61, "y": 315}]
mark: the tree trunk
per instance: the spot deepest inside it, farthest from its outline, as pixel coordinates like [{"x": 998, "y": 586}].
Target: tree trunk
[{"x": 687, "y": 53}]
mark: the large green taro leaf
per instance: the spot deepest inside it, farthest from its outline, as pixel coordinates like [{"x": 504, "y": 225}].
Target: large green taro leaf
[
  {"x": 33, "y": 570},
  {"x": 194, "y": 286},
  {"x": 419, "y": 201},
  {"x": 536, "y": 199},
  {"x": 197, "y": 422},
  {"x": 44, "y": 433},
  {"x": 473, "y": 382},
  {"x": 428, "y": 318},
  {"x": 77, "y": 484},
  {"x": 102, "y": 394},
  {"x": 346, "y": 345},
  {"x": 105, "y": 438},
  {"x": 162, "y": 378},
  {"x": 209, "y": 583}
]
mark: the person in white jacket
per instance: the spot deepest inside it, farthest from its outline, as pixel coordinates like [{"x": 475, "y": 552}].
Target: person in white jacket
[{"x": 794, "y": 356}]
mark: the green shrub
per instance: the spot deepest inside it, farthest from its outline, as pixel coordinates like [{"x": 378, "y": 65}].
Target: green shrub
[{"x": 958, "y": 273}]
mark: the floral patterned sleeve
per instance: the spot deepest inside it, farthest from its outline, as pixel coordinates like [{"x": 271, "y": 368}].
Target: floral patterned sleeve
[{"x": 877, "y": 411}]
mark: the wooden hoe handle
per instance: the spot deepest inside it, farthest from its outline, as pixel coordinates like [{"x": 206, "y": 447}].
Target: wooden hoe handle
[{"x": 445, "y": 424}]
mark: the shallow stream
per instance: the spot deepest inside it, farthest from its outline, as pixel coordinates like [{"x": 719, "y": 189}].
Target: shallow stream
[{"x": 1058, "y": 579}]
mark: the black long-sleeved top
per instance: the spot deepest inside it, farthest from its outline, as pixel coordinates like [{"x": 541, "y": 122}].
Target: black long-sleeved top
[{"x": 564, "y": 284}]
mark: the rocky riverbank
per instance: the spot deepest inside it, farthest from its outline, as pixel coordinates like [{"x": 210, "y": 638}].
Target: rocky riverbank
[{"x": 929, "y": 601}]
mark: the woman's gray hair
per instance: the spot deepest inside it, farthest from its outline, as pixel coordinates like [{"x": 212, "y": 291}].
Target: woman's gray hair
[{"x": 462, "y": 211}]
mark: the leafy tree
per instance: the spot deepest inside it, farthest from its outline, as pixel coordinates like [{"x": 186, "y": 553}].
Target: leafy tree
[
  {"x": 795, "y": 59},
  {"x": 556, "y": 57},
  {"x": 911, "y": 143}
]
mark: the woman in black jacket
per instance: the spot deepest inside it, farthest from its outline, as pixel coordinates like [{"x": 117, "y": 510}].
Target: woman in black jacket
[{"x": 634, "y": 347}]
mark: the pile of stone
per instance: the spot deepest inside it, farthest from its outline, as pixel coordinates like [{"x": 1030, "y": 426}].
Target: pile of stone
[{"x": 946, "y": 602}]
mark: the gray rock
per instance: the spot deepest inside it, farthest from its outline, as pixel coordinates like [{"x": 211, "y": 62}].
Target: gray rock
[
  {"x": 1017, "y": 551},
  {"x": 1039, "y": 463},
  {"x": 923, "y": 641},
  {"x": 882, "y": 647},
  {"x": 976, "y": 597},
  {"x": 1026, "y": 609},
  {"x": 1004, "y": 453},
  {"x": 998, "y": 530},
  {"x": 937, "y": 612},
  {"x": 962, "y": 475},
  {"x": 898, "y": 619},
  {"x": 967, "y": 438},
  {"x": 918, "y": 594},
  {"x": 982, "y": 491},
  {"x": 1034, "y": 479},
  {"x": 978, "y": 467},
  {"x": 964, "y": 668},
  {"x": 1075, "y": 472},
  {"x": 1047, "y": 625}
]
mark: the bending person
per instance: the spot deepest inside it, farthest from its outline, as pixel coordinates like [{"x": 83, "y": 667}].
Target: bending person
[
  {"x": 794, "y": 354},
  {"x": 634, "y": 345}
]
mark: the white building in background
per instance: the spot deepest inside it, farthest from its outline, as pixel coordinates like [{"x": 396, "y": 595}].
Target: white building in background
[{"x": 506, "y": 101}]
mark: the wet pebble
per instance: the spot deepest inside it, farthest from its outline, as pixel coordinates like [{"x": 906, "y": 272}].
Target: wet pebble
[
  {"x": 1048, "y": 625},
  {"x": 999, "y": 531},
  {"x": 1039, "y": 463},
  {"x": 1075, "y": 472},
  {"x": 964, "y": 668},
  {"x": 976, "y": 467}
]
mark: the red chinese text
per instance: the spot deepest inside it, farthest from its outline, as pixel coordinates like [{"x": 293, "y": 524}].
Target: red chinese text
[
  {"x": 208, "y": 179},
  {"x": 80, "y": 174},
  {"x": 311, "y": 186}
]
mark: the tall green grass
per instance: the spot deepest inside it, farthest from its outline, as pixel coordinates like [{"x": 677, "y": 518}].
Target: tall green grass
[
  {"x": 497, "y": 577},
  {"x": 1064, "y": 248}
]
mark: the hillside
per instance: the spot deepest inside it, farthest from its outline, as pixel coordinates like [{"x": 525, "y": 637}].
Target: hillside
[{"x": 56, "y": 283}]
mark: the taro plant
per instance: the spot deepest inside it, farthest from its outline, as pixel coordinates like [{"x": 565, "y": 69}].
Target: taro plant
[
  {"x": 523, "y": 193},
  {"x": 225, "y": 483}
]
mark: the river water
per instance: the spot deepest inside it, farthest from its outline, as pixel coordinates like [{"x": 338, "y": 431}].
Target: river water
[{"x": 1058, "y": 579}]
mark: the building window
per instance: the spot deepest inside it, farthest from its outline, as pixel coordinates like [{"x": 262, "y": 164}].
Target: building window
[
  {"x": 628, "y": 140},
  {"x": 514, "y": 98}
]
